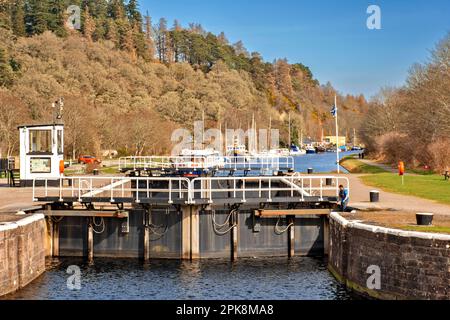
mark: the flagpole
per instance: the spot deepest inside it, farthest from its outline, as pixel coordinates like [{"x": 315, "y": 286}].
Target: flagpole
[{"x": 337, "y": 135}]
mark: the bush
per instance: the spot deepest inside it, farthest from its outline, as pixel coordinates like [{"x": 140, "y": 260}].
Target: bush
[{"x": 440, "y": 154}]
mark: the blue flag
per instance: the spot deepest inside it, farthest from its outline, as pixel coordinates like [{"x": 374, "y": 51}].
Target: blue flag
[{"x": 334, "y": 111}]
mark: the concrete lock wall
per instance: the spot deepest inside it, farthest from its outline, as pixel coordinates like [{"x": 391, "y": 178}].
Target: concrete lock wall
[
  {"x": 412, "y": 265},
  {"x": 190, "y": 233},
  {"x": 22, "y": 253}
]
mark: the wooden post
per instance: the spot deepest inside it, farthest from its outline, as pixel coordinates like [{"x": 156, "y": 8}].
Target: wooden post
[
  {"x": 90, "y": 240},
  {"x": 195, "y": 233},
  {"x": 234, "y": 236},
  {"x": 55, "y": 239},
  {"x": 146, "y": 243},
  {"x": 291, "y": 237},
  {"x": 186, "y": 232},
  {"x": 326, "y": 235}
]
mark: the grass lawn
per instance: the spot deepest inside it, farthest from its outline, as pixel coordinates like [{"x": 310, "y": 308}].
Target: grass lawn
[
  {"x": 353, "y": 165},
  {"x": 432, "y": 187},
  {"x": 431, "y": 229}
]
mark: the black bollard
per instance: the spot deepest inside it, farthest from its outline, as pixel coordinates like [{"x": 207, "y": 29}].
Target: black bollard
[{"x": 374, "y": 196}]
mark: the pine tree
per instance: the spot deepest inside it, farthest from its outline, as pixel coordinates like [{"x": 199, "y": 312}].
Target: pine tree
[
  {"x": 149, "y": 43},
  {"x": 6, "y": 72},
  {"x": 134, "y": 16},
  {"x": 116, "y": 9},
  {"x": 128, "y": 44},
  {"x": 161, "y": 43},
  {"x": 18, "y": 18},
  {"x": 89, "y": 25},
  {"x": 56, "y": 17},
  {"x": 5, "y": 15},
  {"x": 111, "y": 32},
  {"x": 37, "y": 13}
]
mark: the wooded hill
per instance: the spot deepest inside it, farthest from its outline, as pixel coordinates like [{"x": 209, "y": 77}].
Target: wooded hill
[{"x": 128, "y": 82}]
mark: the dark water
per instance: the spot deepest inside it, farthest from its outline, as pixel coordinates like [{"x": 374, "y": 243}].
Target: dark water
[
  {"x": 321, "y": 163},
  {"x": 247, "y": 279}
]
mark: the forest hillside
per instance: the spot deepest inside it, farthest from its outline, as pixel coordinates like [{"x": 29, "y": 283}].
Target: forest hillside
[{"x": 128, "y": 82}]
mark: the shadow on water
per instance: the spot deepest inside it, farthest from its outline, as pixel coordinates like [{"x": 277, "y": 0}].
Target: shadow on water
[{"x": 247, "y": 279}]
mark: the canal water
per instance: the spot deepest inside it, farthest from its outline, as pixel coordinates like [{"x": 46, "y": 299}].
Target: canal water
[
  {"x": 247, "y": 279},
  {"x": 321, "y": 163}
]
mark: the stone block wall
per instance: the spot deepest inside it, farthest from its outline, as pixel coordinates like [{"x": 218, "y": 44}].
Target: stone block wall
[
  {"x": 413, "y": 265},
  {"x": 22, "y": 252}
]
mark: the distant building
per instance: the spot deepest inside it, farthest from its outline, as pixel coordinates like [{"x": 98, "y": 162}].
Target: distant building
[{"x": 332, "y": 140}]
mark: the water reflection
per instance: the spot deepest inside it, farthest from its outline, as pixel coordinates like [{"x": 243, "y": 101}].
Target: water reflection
[{"x": 266, "y": 279}]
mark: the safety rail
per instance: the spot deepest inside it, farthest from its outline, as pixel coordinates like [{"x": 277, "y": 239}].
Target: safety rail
[
  {"x": 300, "y": 188},
  {"x": 181, "y": 162},
  {"x": 207, "y": 162},
  {"x": 294, "y": 188},
  {"x": 112, "y": 189}
]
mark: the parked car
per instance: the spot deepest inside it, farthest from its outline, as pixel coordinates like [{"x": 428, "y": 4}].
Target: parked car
[{"x": 88, "y": 160}]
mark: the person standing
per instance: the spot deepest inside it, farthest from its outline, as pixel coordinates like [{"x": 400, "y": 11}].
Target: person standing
[{"x": 343, "y": 198}]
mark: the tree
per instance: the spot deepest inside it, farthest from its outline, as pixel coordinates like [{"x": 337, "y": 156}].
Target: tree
[
  {"x": 6, "y": 72},
  {"x": 89, "y": 25},
  {"x": 18, "y": 18},
  {"x": 37, "y": 14},
  {"x": 12, "y": 114},
  {"x": 161, "y": 40},
  {"x": 149, "y": 43}
]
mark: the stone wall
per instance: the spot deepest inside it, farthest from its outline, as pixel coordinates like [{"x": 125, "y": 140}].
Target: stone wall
[
  {"x": 22, "y": 252},
  {"x": 413, "y": 265}
]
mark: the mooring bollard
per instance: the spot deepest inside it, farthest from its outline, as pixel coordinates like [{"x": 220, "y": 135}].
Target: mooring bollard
[
  {"x": 310, "y": 170},
  {"x": 424, "y": 219},
  {"x": 374, "y": 196}
]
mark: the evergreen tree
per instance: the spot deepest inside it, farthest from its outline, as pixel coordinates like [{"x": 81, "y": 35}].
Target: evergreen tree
[
  {"x": 161, "y": 37},
  {"x": 5, "y": 15},
  {"x": 116, "y": 9},
  {"x": 6, "y": 72},
  {"x": 18, "y": 18},
  {"x": 134, "y": 16},
  {"x": 37, "y": 12},
  {"x": 111, "y": 32},
  {"x": 89, "y": 25},
  {"x": 150, "y": 44},
  {"x": 56, "y": 17}
]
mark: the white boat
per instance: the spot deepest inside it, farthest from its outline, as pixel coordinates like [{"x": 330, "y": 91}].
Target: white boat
[
  {"x": 200, "y": 159},
  {"x": 296, "y": 151},
  {"x": 310, "y": 149}
]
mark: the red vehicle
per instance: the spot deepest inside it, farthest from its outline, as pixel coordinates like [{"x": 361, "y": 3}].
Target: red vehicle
[{"x": 88, "y": 160}]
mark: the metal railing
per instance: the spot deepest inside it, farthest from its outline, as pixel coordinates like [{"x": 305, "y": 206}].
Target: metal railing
[
  {"x": 114, "y": 189},
  {"x": 267, "y": 188},
  {"x": 169, "y": 189},
  {"x": 207, "y": 162}
]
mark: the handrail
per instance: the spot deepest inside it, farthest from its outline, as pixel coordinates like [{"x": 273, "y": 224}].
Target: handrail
[
  {"x": 266, "y": 162},
  {"x": 137, "y": 189}
]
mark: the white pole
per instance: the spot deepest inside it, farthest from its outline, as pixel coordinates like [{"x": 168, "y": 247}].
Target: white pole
[{"x": 337, "y": 136}]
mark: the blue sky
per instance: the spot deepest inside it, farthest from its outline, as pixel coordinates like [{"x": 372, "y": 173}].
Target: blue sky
[{"x": 329, "y": 36}]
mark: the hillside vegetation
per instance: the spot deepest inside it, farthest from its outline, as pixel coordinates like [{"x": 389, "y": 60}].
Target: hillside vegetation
[
  {"x": 412, "y": 123},
  {"x": 128, "y": 83}
]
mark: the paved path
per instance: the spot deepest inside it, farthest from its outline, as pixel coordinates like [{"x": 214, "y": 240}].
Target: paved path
[
  {"x": 15, "y": 199},
  {"x": 379, "y": 165},
  {"x": 359, "y": 198}
]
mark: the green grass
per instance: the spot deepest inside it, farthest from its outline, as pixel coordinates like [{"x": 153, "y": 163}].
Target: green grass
[
  {"x": 353, "y": 165},
  {"x": 432, "y": 187},
  {"x": 109, "y": 170},
  {"x": 432, "y": 229}
]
